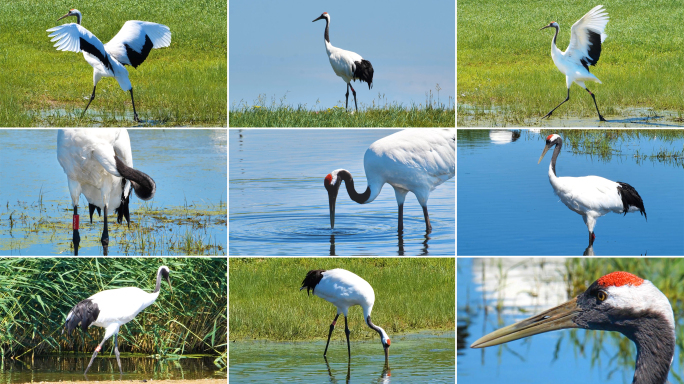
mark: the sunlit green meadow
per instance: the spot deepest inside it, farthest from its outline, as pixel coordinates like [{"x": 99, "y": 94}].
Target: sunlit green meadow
[
  {"x": 410, "y": 295},
  {"x": 506, "y": 75},
  {"x": 183, "y": 84}
]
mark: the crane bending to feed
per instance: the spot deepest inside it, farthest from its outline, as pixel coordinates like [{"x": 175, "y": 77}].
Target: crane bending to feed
[
  {"x": 591, "y": 196},
  {"x": 345, "y": 289},
  {"x": 619, "y": 302},
  {"x": 98, "y": 163},
  {"x": 584, "y": 50},
  {"x": 346, "y": 64},
  {"x": 130, "y": 46},
  {"x": 416, "y": 160},
  {"x": 111, "y": 309}
]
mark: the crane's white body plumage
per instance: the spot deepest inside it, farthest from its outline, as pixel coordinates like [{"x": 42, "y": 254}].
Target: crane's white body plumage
[
  {"x": 345, "y": 289},
  {"x": 416, "y": 160},
  {"x": 570, "y": 61},
  {"x": 342, "y": 61},
  {"x": 87, "y": 157}
]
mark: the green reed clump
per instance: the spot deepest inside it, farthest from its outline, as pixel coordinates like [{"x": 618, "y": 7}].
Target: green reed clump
[
  {"x": 410, "y": 294},
  {"x": 36, "y": 294}
]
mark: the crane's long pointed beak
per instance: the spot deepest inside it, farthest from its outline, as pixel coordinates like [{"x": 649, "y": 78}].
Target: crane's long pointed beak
[
  {"x": 169, "y": 281},
  {"x": 67, "y": 15},
  {"x": 546, "y": 148},
  {"x": 332, "y": 197},
  {"x": 560, "y": 317},
  {"x": 544, "y": 27}
]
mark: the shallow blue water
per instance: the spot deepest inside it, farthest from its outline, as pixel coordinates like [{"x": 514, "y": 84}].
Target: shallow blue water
[
  {"x": 506, "y": 205},
  {"x": 493, "y": 293},
  {"x": 188, "y": 166},
  {"x": 278, "y": 205}
]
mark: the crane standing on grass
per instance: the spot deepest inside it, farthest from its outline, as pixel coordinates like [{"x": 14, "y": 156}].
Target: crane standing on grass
[
  {"x": 584, "y": 50},
  {"x": 346, "y": 64},
  {"x": 130, "y": 46}
]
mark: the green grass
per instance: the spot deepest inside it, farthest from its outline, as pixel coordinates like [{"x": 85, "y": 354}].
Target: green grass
[
  {"x": 434, "y": 113},
  {"x": 504, "y": 61},
  {"x": 410, "y": 294},
  {"x": 183, "y": 84},
  {"x": 37, "y": 293}
]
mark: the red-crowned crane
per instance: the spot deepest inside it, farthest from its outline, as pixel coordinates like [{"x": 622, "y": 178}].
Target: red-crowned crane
[
  {"x": 111, "y": 309},
  {"x": 591, "y": 196},
  {"x": 619, "y": 302},
  {"x": 345, "y": 289},
  {"x": 130, "y": 46},
  {"x": 98, "y": 163},
  {"x": 346, "y": 64},
  {"x": 416, "y": 160},
  {"x": 584, "y": 50}
]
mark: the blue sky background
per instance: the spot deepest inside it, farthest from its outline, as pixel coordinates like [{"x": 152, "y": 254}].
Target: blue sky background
[{"x": 275, "y": 49}]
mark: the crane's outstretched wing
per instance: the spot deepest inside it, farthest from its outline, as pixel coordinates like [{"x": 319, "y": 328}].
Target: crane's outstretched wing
[
  {"x": 74, "y": 38},
  {"x": 587, "y": 36},
  {"x": 136, "y": 39}
]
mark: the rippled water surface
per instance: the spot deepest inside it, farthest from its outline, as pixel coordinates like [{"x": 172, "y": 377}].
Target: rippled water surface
[
  {"x": 278, "y": 205},
  {"x": 414, "y": 358},
  {"x": 506, "y": 205}
]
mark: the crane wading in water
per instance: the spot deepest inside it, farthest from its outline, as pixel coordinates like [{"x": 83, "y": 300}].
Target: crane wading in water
[
  {"x": 591, "y": 196},
  {"x": 345, "y": 289},
  {"x": 111, "y": 309},
  {"x": 346, "y": 64},
  {"x": 130, "y": 46},
  {"x": 618, "y": 302},
  {"x": 416, "y": 160},
  {"x": 584, "y": 50}
]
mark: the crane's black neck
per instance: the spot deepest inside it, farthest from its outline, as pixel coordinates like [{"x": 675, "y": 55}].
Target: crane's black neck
[
  {"x": 349, "y": 184},
  {"x": 162, "y": 273},
  {"x": 556, "y": 34},
  {"x": 559, "y": 144},
  {"x": 327, "y": 37},
  {"x": 655, "y": 342},
  {"x": 374, "y": 327}
]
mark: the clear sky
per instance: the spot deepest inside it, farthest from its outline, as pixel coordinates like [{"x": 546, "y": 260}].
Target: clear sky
[{"x": 275, "y": 49}]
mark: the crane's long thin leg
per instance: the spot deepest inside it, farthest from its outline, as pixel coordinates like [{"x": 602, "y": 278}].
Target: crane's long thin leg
[
  {"x": 566, "y": 99},
  {"x": 346, "y": 103},
  {"x": 116, "y": 352},
  {"x": 346, "y": 332},
  {"x": 105, "y": 234},
  {"x": 76, "y": 237},
  {"x": 135, "y": 114},
  {"x": 428, "y": 227},
  {"x": 596, "y": 105},
  {"x": 400, "y": 226},
  {"x": 332, "y": 326},
  {"x": 89, "y": 101},
  {"x": 354, "y": 92},
  {"x": 98, "y": 349}
]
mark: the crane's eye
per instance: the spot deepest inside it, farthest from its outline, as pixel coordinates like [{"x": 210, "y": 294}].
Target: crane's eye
[{"x": 601, "y": 295}]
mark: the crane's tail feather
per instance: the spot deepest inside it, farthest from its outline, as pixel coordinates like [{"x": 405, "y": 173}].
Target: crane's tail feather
[
  {"x": 143, "y": 185},
  {"x": 364, "y": 72},
  {"x": 312, "y": 279},
  {"x": 630, "y": 199},
  {"x": 81, "y": 315}
]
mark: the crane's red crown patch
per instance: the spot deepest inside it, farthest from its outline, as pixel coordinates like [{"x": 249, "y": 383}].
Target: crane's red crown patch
[
  {"x": 619, "y": 279},
  {"x": 328, "y": 179},
  {"x": 549, "y": 136}
]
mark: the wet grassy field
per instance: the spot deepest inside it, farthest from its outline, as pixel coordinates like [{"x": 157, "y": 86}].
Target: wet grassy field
[
  {"x": 506, "y": 75},
  {"x": 183, "y": 84}
]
